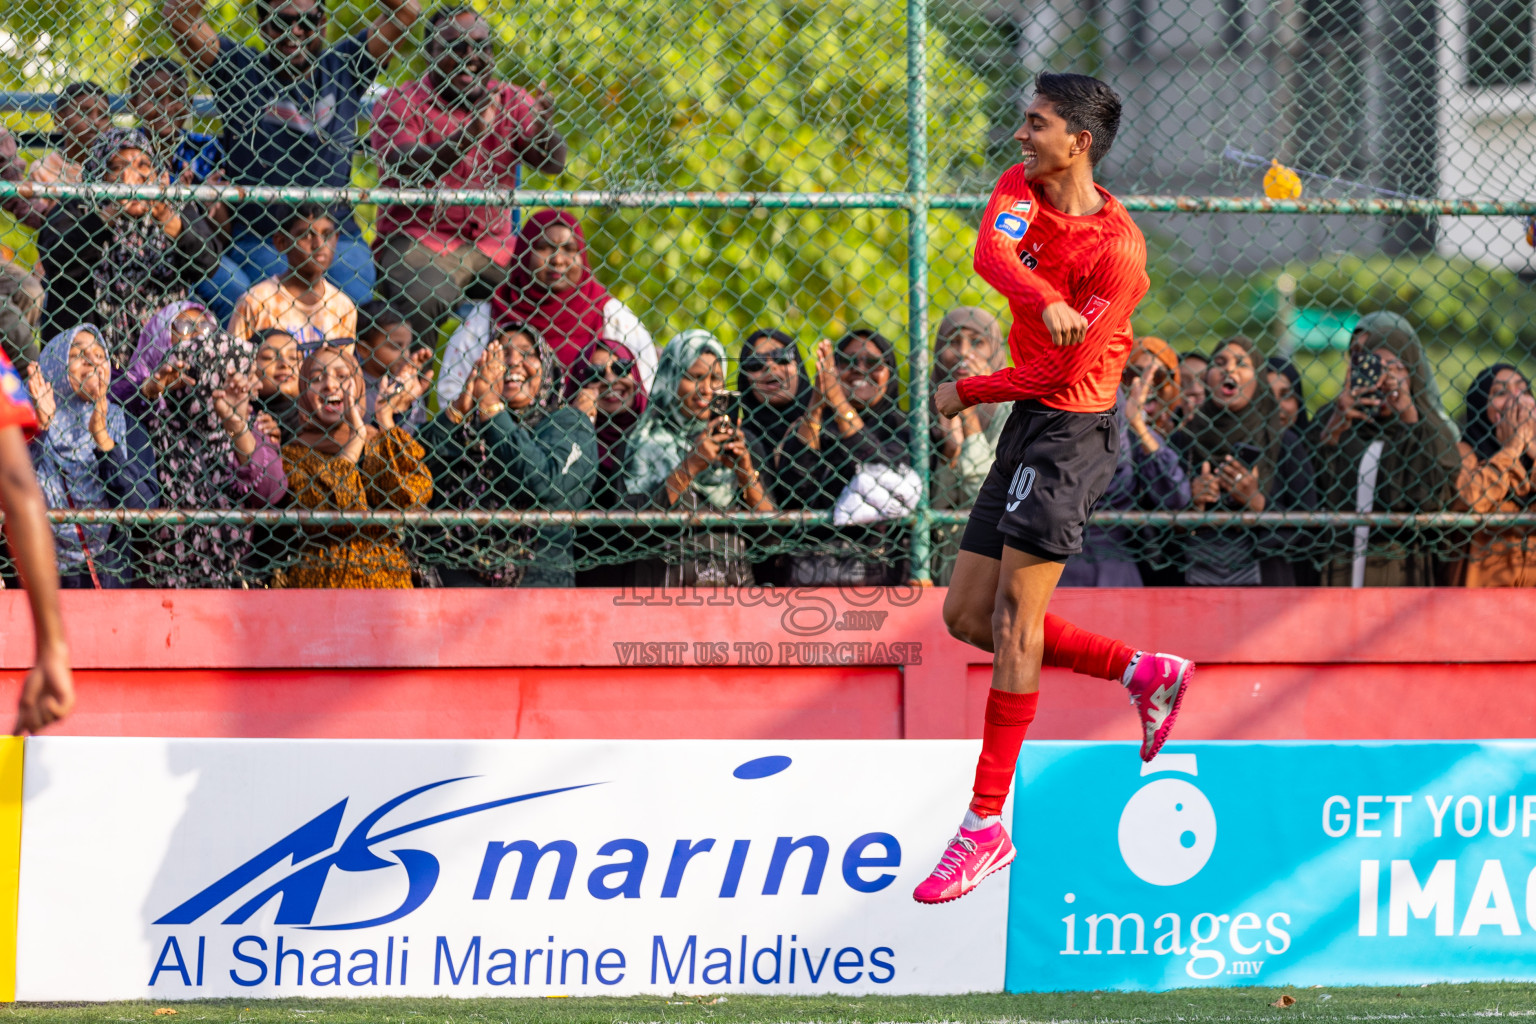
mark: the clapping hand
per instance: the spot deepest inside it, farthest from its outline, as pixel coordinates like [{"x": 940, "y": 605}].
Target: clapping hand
[
  {"x": 1238, "y": 480},
  {"x": 232, "y": 403},
  {"x": 483, "y": 389},
  {"x": 171, "y": 375},
  {"x": 828, "y": 390},
  {"x": 43, "y": 401},
  {"x": 267, "y": 425},
  {"x": 1516, "y": 425}
]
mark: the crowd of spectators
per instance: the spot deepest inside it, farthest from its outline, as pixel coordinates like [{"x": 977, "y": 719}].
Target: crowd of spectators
[{"x": 257, "y": 355}]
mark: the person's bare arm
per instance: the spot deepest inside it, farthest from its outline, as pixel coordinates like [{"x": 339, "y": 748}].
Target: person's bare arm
[
  {"x": 191, "y": 33},
  {"x": 48, "y": 693},
  {"x": 390, "y": 27}
]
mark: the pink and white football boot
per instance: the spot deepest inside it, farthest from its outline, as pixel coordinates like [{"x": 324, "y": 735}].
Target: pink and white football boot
[
  {"x": 1157, "y": 687},
  {"x": 969, "y": 857}
]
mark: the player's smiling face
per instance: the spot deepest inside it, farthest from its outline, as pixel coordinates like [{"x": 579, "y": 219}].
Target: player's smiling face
[{"x": 1046, "y": 147}]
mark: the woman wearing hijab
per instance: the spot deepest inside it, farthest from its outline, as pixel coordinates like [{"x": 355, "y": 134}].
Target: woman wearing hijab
[
  {"x": 1386, "y": 446},
  {"x": 338, "y": 462},
  {"x": 1498, "y": 453},
  {"x": 850, "y": 453},
  {"x": 684, "y": 457},
  {"x": 1287, "y": 560},
  {"x": 87, "y": 454},
  {"x": 610, "y": 371},
  {"x": 1230, "y": 445},
  {"x": 969, "y": 343},
  {"x": 196, "y": 409},
  {"x": 775, "y": 391},
  {"x": 551, "y": 289},
  {"x": 1148, "y": 475},
  {"x": 510, "y": 441},
  {"x": 115, "y": 263}
]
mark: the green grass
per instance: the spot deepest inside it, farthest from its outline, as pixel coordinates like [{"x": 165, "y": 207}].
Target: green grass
[{"x": 1237, "y": 1005}]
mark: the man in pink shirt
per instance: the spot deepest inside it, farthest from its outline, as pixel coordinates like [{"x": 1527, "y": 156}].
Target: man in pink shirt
[{"x": 455, "y": 128}]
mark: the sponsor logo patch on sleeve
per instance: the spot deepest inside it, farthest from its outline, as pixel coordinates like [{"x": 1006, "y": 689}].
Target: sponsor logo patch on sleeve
[
  {"x": 1094, "y": 308},
  {"x": 1011, "y": 225}
]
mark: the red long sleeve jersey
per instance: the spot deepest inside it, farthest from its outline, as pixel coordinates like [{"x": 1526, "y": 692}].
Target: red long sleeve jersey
[{"x": 1036, "y": 255}]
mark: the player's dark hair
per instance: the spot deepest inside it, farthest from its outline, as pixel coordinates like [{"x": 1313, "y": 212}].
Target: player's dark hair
[
  {"x": 288, "y": 216},
  {"x": 375, "y": 318},
  {"x": 76, "y": 91},
  {"x": 149, "y": 67},
  {"x": 1086, "y": 104}
]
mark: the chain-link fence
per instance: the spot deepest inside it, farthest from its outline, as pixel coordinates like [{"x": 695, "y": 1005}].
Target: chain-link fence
[{"x": 363, "y": 295}]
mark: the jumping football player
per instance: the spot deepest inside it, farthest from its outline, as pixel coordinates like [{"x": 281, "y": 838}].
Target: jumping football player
[{"x": 1072, "y": 265}]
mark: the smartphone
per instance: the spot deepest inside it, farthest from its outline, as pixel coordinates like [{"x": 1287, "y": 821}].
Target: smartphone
[
  {"x": 727, "y": 404},
  {"x": 1365, "y": 370},
  {"x": 1248, "y": 454}
]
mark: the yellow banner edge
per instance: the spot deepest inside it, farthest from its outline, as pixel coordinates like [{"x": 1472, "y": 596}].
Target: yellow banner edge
[{"x": 12, "y": 766}]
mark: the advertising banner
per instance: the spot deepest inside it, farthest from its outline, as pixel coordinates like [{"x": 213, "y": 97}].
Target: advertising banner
[
  {"x": 1280, "y": 863},
  {"x": 194, "y": 868}
]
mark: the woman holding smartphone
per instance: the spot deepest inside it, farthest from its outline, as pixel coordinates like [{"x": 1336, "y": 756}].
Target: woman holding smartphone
[{"x": 685, "y": 456}]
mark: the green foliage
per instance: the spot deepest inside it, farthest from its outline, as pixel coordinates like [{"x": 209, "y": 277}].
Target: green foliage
[
  {"x": 1452, "y": 302},
  {"x": 701, "y": 95}
]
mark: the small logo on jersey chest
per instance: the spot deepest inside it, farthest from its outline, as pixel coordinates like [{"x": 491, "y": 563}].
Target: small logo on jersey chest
[
  {"x": 1022, "y": 206},
  {"x": 1028, "y": 259},
  {"x": 1011, "y": 225}
]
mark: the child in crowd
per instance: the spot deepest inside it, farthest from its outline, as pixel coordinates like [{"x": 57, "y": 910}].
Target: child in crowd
[
  {"x": 80, "y": 113},
  {"x": 301, "y": 301},
  {"x": 384, "y": 349},
  {"x": 277, "y": 385},
  {"x": 159, "y": 97}
]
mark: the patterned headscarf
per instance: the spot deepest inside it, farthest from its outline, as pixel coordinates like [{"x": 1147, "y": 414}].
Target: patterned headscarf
[
  {"x": 551, "y": 382},
  {"x": 196, "y": 466},
  {"x": 112, "y": 142},
  {"x": 65, "y": 453},
  {"x": 666, "y": 433},
  {"x": 130, "y": 278}
]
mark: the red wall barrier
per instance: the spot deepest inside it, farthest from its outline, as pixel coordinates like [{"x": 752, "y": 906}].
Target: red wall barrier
[{"x": 1275, "y": 664}]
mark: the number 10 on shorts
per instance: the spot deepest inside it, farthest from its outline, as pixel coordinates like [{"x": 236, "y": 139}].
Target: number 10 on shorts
[{"x": 1018, "y": 490}]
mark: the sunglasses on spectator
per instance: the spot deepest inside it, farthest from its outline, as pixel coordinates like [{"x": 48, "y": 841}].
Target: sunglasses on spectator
[
  {"x": 310, "y": 21},
  {"x": 866, "y": 363},
  {"x": 758, "y": 361},
  {"x": 196, "y": 330},
  {"x": 617, "y": 369}
]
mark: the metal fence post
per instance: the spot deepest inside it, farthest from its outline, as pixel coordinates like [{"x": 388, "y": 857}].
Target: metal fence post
[{"x": 917, "y": 276}]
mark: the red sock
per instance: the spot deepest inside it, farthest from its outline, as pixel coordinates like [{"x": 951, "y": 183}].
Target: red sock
[
  {"x": 1008, "y": 718},
  {"x": 1067, "y": 646}
]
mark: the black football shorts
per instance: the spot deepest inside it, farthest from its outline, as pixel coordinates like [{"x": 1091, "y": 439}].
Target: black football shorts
[{"x": 1052, "y": 466}]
